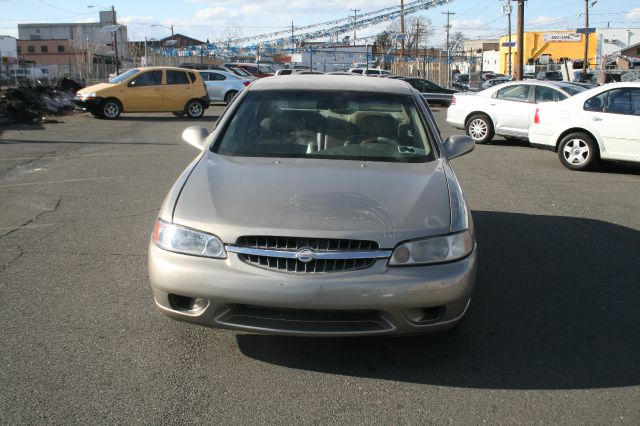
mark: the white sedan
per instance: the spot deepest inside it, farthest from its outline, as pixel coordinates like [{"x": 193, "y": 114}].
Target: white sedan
[
  {"x": 504, "y": 110},
  {"x": 601, "y": 123},
  {"x": 223, "y": 86}
]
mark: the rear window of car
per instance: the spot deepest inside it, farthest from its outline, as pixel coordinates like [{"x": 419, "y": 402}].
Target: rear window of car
[
  {"x": 518, "y": 92},
  {"x": 572, "y": 89},
  {"x": 177, "y": 77},
  {"x": 326, "y": 124}
]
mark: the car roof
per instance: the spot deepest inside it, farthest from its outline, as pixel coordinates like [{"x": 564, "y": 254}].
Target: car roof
[
  {"x": 332, "y": 82},
  {"x": 165, "y": 68}
]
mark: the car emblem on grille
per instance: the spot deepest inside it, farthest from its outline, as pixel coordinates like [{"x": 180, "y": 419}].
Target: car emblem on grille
[{"x": 305, "y": 255}]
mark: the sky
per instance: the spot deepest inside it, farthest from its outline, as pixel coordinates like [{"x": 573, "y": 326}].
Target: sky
[{"x": 215, "y": 19}]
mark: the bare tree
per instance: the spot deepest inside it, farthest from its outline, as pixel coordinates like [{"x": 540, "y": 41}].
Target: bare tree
[
  {"x": 457, "y": 42},
  {"x": 230, "y": 32},
  {"x": 418, "y": 30}
]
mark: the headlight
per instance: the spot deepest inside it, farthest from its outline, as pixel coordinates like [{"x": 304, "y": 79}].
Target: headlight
[
  {"x": 91, "y": 95},
  {"x": 179, "y": 239},
  {"x": 442, "y": 249}
]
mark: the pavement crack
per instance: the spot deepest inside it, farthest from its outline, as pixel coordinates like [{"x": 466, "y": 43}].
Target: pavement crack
[
  {"x": 13, "y": 260},
  {"x": 33, "y": 219}
]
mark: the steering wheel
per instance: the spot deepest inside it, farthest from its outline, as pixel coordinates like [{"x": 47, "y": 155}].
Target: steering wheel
[{"x": 366, "y": 139}]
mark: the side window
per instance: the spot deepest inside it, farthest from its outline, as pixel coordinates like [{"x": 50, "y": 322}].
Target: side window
[
  {"x": 177, "y": 77},
  {"x": 635, "y": 101},
  {"x": 217, "y": 77},
  {"x": 547, "y": 94},
  {"x": 596, "y": 104},
  {"x": 519, "y": 93},
  {"x": 151, "y": 78},
  {"x": 624, "y": 101},
  {"x": 192, "y": 76}
]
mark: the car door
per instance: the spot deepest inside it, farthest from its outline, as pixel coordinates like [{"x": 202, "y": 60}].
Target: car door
[
  {"x": 177, "y": 90},
  {"x": 143, "y": 93},
  {"x": 510, "y": 108},
  {"x": 217, "y": 86},
  {"x": 615, "y": 115}
]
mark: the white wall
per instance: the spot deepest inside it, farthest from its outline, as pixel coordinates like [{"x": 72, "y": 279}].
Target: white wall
[
  {"x": 8, "y": 47},
  {"x": 491, "y": 61},
  {"x": 612, "y": 40}
]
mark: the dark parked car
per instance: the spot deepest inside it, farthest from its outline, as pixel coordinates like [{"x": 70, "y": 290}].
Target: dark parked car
[
  {"x": 549, "y": 75},
  {"x": 495, "y": 81},
  {"x": 461, "y": 82},
  {"x": 430, "y": 91}
]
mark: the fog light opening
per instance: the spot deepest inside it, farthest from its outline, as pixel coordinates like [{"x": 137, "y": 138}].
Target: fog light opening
[
  {"x": 424, "y": 315},
  {"x": 192, "y": 305}
]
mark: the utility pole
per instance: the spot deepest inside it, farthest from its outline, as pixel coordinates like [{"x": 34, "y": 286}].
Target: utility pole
[
  {"x": 293, "y": 46},
  {"x": 520, "y": 61},
  {"x": 585, "y": 65},
  {"x": 402, "y": 26},
  {"x": 355, "y": 18},
  {"x": 507, "y": 10},
  {"x": 448, "y": 27},
  {"x": 115, "y": 38}
]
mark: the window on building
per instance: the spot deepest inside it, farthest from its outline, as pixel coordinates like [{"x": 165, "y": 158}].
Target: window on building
[
  {"x": 60, "y": 48},
  {"x": 44, "y": 49},
  {"x": 19, "y": 49},
  {"x": 31, "y": 49}
]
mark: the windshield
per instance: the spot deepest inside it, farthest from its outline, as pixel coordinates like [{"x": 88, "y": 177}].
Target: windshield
[
  {"x": 125, "y": 75},
  {"x": 330, "y": 125}
]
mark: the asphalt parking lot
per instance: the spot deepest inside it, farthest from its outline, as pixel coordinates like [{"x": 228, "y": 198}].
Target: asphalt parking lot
[{"x": 552, "y": 335}]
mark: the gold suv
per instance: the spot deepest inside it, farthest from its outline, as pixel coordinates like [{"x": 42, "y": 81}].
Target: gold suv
[{"x": 147, "y": 89}]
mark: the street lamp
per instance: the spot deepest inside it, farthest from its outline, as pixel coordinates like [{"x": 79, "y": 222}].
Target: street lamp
[
  {"x": 113, "y": 28},
  {"x": 164, "y": 26},
  {"x": 585, "y": 65}
]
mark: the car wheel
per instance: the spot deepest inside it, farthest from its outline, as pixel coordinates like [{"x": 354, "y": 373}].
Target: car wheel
[
  {"x": 480, "y": 128},
  {"x": 229, "y": 96},
  {"x": 110, "y": 109},
  {"x": 578, "y": 151},
  {"x": 194, "y": 109}
]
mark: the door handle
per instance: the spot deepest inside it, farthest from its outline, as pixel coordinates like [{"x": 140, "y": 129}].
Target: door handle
[
  {"x": 596, "y": 119},
  {"x": 492, "y": 104}
]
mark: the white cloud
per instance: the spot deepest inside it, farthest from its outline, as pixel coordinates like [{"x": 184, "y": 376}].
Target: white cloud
[
  {"x": 545, "y": 19},
  {"x": 132, "y": 20},
  {"x": 634, "y": 14}
]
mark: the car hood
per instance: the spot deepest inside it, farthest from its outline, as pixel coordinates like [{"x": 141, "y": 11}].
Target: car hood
[
  {"x": 380, "y": 201},
  {"x": 96, "y": 88}
]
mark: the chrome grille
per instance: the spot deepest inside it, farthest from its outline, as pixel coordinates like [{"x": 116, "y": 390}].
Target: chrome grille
[{"x": 318, "y": 245}]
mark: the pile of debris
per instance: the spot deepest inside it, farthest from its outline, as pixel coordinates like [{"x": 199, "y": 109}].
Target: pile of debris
[{"x": 27, "y": 104}]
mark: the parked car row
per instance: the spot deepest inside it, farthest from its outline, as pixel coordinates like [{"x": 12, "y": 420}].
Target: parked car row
[{"x": 582, "y": 123}]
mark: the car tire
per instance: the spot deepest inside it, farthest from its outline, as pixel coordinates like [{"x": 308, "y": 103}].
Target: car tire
[
  {"x": 229, "y": 96},
  {"x": 194, "y": 109},
  {"x": 110, "y": 109},
  {"x": 578, "y": 151},
  {"x": 480, "y": 128}
]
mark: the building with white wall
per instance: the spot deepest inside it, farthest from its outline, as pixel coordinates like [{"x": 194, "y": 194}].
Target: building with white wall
[{"x": 611, "y": 41}]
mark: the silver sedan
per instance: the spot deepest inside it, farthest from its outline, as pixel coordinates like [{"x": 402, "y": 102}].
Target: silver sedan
[
  {"x": 318, "y": 206},
  {"x": 223, "y": 86}
]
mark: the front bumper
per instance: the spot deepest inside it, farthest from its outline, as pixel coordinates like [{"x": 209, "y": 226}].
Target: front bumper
[
  {"x": 379, "y": 300},
  {"x": 91, "y": 105}
]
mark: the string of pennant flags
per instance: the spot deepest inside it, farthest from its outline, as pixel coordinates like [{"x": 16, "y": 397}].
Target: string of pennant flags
[{"x": 266, "y": 44}]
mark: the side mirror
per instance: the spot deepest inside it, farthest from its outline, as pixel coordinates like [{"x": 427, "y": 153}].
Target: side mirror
[
  {"x": 196, "y": 136},
  {"x": 458, "y": 145}
]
